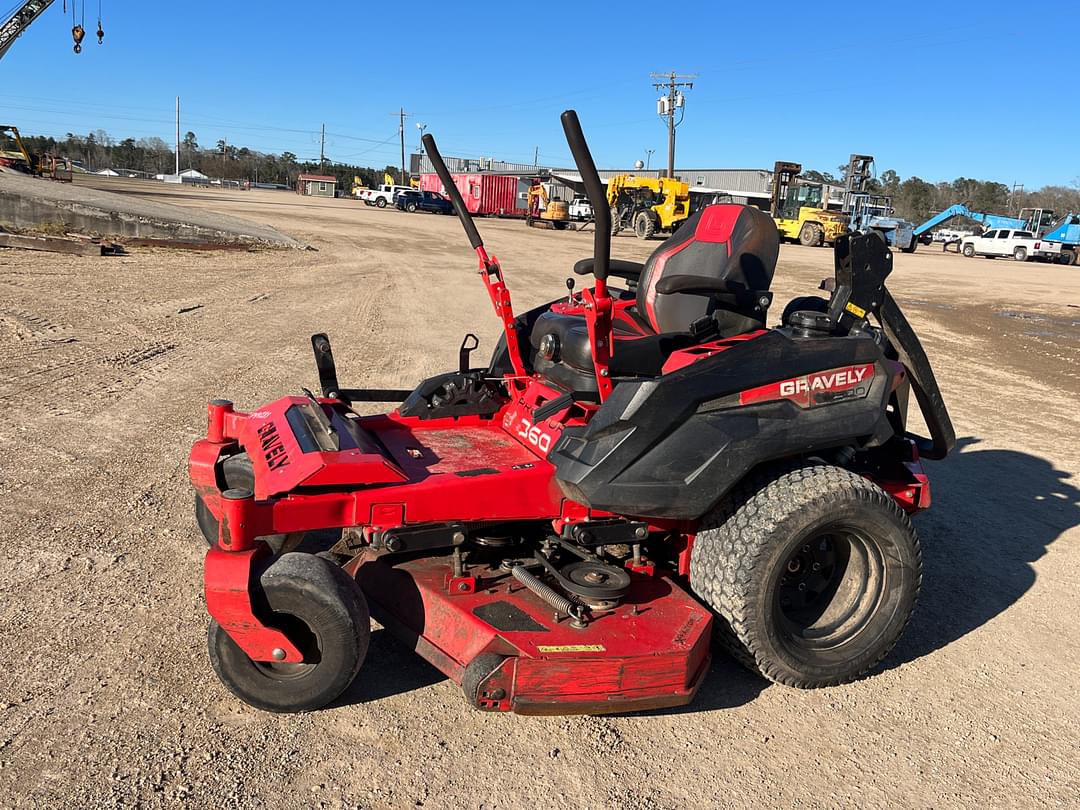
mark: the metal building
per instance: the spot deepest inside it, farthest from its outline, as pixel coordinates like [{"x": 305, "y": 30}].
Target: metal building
[{"x": 745, "y": 186}]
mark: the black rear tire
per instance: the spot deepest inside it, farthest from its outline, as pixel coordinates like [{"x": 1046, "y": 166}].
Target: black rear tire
[
  {"x": 616, "y": 222},
  {"x": 381, "y": 202},
  {"x": 644, "y": 226},
  {"x": 323, "y": 612},
  {"x": 813, "y": 572},
  {"x": 969, "y": 251},
  {"x": 239, "y": 474}
]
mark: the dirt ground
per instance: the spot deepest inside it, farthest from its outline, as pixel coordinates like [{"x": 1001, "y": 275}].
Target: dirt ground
[{"x": 107, "y": 697}]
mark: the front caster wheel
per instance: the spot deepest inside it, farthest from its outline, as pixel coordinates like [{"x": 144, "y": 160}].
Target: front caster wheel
[
  {"x": 324, "y": 613},
  {"x": 813, "y": 572}
]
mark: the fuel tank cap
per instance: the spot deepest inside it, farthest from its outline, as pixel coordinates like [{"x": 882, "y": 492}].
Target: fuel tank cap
[{"x": 810, "y": 323}]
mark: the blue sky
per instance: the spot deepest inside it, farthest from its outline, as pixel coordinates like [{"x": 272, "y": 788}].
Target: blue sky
[{"x": 939, "y": 90}]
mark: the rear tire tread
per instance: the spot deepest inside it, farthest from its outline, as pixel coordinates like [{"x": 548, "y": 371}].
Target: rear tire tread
[{"x": 734, "y": 536}]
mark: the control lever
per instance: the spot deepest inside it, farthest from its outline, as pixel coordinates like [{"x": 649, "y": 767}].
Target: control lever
[
  {"x": 570, "y": 290},
  {"x": 324, "y": 362},
  {"x": 327, "y": 425},
  {"x": 468, "y": 345}
]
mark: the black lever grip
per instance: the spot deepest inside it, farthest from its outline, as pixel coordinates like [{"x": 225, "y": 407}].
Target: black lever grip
[
  {"x": 594, "y": 189},
  {"x": 452, "y": 192}
]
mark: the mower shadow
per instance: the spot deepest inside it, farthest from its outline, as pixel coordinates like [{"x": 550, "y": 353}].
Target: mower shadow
[
  {"x": 390, "y": 668},
  {"x": 995, "y": 512},
  {"x": 727, "y": 685}
]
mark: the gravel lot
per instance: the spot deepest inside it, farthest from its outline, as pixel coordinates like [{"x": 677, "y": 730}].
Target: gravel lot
[{"x": 108, "y": 698}]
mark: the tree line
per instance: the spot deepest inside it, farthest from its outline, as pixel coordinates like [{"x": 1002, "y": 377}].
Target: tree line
[
  {"x": 98, "y": 150},
  {"x": 913, "y": 199},
  {"x": 916, "y": 200}
]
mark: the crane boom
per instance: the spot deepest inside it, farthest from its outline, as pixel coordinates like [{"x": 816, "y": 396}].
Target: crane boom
[
  {"x": 20, "y": 21},
  {"x": 989, "y": 220}
]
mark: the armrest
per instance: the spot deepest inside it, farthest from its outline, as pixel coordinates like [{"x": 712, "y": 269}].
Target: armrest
[
  {"x": 718, "y": 288},
  {"x": 620, "y": 268},
  {"x": 676, "y": 284}
]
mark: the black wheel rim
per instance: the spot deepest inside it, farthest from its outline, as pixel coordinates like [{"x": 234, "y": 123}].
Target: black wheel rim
[
  {"x": 305, "y": 639},
  {"x": 829, "y": 588}
]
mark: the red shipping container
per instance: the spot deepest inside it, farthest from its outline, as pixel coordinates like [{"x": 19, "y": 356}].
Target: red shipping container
[{"x": 500, "y": 195}]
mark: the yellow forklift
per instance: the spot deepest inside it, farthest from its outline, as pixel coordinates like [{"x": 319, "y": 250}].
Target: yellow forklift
[
  {"x": 800, "y": 210},
  {"x": 647, "y": 205}
]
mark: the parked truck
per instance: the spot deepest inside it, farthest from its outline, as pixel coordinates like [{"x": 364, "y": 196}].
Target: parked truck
[
  {"x": 998, "y": 242},
  {"x": 382, "y": 196}
]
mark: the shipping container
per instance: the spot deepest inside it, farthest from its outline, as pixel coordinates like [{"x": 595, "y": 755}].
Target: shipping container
[{"x": 500, "y": 195}]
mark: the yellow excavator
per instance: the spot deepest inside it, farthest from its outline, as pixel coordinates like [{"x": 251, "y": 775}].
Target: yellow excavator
[
  {"x": 546, "y": 213},
  {"x": 647, "y": 205},
  {"x": 799, "y": 208},
  {"x": 13, "y": 152}
]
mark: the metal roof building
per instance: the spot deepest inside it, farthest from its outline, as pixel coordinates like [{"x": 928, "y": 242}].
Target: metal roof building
[{"x": 747, "y": 186}]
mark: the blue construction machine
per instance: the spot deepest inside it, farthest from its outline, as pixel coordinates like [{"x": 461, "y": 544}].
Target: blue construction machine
[{"x": 873, "y": 212}]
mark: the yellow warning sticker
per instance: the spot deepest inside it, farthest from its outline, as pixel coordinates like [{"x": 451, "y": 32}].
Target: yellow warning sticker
[
  {"x": 857, "y": 311},
  {"x": 550, "y": 648}
]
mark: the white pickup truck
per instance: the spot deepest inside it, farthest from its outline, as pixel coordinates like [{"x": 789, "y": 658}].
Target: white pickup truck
[
  {"x": 381, "y": 196},
  {"x": 580, "y": 208},
  {"x": 1000, "y": 242}
]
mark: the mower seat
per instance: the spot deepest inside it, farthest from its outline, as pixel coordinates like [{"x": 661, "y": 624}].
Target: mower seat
[{"x": 704, "y": 281}]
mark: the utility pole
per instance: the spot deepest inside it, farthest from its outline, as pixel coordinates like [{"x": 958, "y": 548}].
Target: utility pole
[
  {"x": 1015, "y": 196},
  {"x": 178, "y": 135},
  {"x": 322, "y": 151},
  {"x": 402, "y": 115},
  {"x": 536, "y": 156},
  {"x": 668, "y": 103}
]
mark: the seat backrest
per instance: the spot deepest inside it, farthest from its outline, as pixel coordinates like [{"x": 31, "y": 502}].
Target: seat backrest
[{"x": 734, "y": 243}]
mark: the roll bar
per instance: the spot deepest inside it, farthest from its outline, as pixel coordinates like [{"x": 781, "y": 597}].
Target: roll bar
[
  {"x": 453, "y": 193},
  {"x": 594, "y": 189},
  {"x": 923, "y": 382}
]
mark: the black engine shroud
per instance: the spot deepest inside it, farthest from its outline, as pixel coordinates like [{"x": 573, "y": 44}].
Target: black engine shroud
[{"x": 671, "y": 447}]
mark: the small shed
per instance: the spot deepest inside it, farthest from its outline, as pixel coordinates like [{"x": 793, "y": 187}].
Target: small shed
[{"x": 316, "y": 185}]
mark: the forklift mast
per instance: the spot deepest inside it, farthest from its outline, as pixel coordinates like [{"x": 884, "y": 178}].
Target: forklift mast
[
  {"x": 856, "y": 178},
  {"x": 784, "y": 173}
]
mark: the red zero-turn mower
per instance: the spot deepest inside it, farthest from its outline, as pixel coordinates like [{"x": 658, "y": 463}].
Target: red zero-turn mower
[{"x": 638, "y": 471}]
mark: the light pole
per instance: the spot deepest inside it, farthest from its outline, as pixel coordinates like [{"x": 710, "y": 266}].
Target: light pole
[
  {"x": 421, "y": 128},
  {"x": 648, "y": 158}
]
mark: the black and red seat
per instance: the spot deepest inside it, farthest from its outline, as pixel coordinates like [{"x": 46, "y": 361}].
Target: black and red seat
[{"x": 709, "y": 279}]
